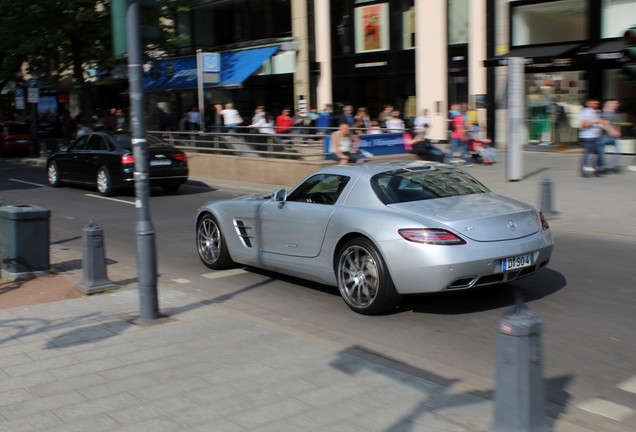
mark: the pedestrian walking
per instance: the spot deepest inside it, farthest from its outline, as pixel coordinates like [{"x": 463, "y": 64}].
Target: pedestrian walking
[
  {"x": 284, "y": 122},
  {"x": 611, "y": 133},
  {"x": 589, "y": 134},
  {"x": 231, "y": 117},
  {"x": 459, "y": 136},
  {"x": 194, "y": 118}
]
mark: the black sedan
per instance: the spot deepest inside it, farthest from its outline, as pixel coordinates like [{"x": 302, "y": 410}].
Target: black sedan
[{"x": 105, "y": 159}]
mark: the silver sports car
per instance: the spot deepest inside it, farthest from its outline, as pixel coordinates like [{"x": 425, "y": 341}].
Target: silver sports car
[{"x": 379, "y": 231}]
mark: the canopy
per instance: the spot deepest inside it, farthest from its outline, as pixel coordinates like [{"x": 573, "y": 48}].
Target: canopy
[{"x": 181, "y": 73}]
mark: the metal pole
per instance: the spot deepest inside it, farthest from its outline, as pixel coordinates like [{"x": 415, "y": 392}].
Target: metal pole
[
  {"x": 200, "y": 92},
  {"x": 146, "y": 253},
  {"x": 514, "y": 166}
]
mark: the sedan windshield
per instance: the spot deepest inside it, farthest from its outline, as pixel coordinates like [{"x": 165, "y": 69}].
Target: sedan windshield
[{"x": 423, "y": 183}]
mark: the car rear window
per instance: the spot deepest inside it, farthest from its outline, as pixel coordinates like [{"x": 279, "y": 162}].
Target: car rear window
[
  {"x": 123, "y": 141},
  {"x": 423, "y": 183}
]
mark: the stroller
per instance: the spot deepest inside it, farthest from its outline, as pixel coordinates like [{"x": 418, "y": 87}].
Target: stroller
[{"x": 481, "y": 152}]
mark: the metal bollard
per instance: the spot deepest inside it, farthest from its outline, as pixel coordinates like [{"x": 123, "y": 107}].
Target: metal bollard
[
  {"x": 519, "y": 393},
  {"x": 94, "y": 277},
  {"x": 546, "y": 199}
]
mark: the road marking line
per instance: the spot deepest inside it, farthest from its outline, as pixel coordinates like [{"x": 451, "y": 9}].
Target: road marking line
[
  {"x": 110, "y": 199},
  {"x": 606, "y": 409},
  {"x": 223, "y": 273},
  {"x": 27, "y": 182},
  {"x": 180, "y": 281},
  {"x": 629, "y": 385}
]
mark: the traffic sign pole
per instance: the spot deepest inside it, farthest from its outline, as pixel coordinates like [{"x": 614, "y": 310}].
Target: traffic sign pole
[{"x": 146, "y": 251}]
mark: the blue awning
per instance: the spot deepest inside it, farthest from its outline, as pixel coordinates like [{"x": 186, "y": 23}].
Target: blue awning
[{"x": 181, "y": 73}]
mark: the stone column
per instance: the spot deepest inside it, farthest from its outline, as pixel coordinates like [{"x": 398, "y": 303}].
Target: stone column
[
  {"x": 301, "y": 37},
  {"x": 477, "y": 54},
  {"x": 324, "y": 91},
  {"x": 431, "y": 63}
]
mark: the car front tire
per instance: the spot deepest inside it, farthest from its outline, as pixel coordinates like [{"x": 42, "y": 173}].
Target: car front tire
[
  {"x": 53, "y": 175},
  {"x": 104, "y": 182},
  {"x": 364, "y": 280},
  {"x": 211, "y": 244}
]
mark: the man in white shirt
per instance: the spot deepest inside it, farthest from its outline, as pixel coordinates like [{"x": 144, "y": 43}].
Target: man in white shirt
[{"x": 589, "y": 134}]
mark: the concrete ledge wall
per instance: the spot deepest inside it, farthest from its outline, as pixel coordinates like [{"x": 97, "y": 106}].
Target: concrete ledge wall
[{"x": 284, "y": 172}]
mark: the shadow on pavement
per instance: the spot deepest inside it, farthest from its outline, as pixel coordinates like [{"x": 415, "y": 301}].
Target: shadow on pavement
[
  {"x": 532, "y": 288},
  {"x": 436, "y": 398}
]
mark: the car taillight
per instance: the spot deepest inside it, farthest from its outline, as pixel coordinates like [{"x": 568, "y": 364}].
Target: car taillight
[
  {"x": 434, "y": 236},
  {"x": 544, "y": 221},
  {"x": 181, "y": 157},
  {"x": 127, "y": 159}
]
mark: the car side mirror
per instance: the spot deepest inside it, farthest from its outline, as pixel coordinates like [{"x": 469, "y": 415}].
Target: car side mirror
[
  {"x": 64, "y": 147},
  {"x": 280, "y": 195}
]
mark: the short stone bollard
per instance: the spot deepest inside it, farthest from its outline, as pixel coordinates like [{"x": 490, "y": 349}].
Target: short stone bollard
[
  {"x": 94, "y": 277},
  {"x": 546, "y": 199},
  {"x": 520, "y": 392}
]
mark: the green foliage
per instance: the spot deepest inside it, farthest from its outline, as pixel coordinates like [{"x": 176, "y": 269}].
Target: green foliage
[{"x": 53, "y": 37}]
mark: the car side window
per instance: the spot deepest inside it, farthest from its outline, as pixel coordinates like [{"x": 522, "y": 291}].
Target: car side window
[
  {"x": 79, "y": 144},
  {"x": 320, "y": 189},
  {"x": 96, "y": 143}
]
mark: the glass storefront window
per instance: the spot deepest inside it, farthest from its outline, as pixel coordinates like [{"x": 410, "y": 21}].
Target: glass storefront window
[
  {"x": 553, "y": 104},
  {"x": 618, "y": 16},
  {"x": 549, "y": 22},
  {"x": 457, "y": 22}
]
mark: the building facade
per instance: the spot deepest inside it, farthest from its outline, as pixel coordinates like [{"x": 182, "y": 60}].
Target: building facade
[
  {"x": 417, "y": 54},
  {"x": 572, "y": 51}
]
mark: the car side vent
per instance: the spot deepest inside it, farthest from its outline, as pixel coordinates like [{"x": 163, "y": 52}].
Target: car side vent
[{"x": 244, "y": 232}]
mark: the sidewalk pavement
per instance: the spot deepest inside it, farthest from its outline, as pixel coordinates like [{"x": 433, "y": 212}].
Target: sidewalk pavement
[{"x": 89, "y": 363}]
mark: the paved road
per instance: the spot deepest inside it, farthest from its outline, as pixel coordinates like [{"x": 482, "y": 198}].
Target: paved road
[{"x": 585, "y": 299}]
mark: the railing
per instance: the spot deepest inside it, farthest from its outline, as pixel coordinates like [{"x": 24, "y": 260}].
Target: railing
[{"x": 308, "y": 145}]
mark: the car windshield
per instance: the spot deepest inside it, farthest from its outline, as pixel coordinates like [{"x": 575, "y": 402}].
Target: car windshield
[
  {"x": 423, "y": 183},
  {"x": 124, "y": 141}
]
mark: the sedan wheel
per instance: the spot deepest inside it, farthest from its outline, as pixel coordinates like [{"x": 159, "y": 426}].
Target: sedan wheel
[
  {"x": 53, "y": 175},
  {"x": 363, "y": 280},
  {"x": 104, "y": 183},
  {"x": 211, "y": 244}
]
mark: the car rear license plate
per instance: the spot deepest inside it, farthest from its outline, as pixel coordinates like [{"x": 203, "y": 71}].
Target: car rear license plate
[
  {"x": 516, "y": 262},
  {"x": 160, "y": 162}
]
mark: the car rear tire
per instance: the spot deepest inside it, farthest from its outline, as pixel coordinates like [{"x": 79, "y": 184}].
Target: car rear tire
[
  {"x": 53, "y": 175},
  {"x": 211, "y": 244},
  {"x": 104, "y": 182},
  {"x": 364, "y": 280}
]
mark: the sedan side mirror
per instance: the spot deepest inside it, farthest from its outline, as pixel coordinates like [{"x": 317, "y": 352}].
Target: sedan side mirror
[{"x": 280, "y": 195}]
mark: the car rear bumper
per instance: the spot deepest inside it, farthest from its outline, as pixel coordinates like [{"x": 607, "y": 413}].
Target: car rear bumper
[{"x": 417, "y": 268}]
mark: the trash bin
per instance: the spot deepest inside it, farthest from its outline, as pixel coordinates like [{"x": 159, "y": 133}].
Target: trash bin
[{"x": 24, "y": 241}]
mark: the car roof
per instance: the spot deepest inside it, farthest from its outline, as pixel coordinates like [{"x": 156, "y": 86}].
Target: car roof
[{"x": 372, "y": 168}]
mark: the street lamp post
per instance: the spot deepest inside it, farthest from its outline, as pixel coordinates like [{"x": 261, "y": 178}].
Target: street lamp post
[{"x": 146, "y": 252}]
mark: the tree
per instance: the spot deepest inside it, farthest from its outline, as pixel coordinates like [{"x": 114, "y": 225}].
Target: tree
[{"x": 57, "y": 37}]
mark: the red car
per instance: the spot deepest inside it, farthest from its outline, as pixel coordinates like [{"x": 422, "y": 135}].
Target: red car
[{"x": 15, "y": 137}]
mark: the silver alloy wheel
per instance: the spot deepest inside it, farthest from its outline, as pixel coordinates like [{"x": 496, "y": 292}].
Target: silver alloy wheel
[
  {"x": 103, "y": 181},
  {"x": 53, "y": 175},
  {"x": 358, "y": 276},
  {"x": 209, "y": 241}
]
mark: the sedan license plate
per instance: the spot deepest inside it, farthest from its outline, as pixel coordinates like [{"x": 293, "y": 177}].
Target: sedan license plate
[
  {"x": 516, "y": 262},
  {"x": 160, "y": 162}
]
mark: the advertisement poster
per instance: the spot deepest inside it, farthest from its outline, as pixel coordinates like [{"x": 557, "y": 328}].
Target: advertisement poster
[{"x": 372, "y": 28}]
